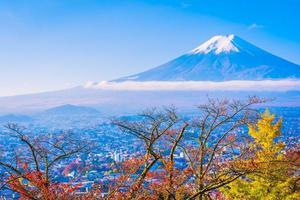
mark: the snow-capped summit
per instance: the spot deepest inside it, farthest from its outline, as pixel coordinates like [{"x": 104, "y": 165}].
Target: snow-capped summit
[
  {"x": 217, "y": 44},
  {"x": 222, "y": 58}
]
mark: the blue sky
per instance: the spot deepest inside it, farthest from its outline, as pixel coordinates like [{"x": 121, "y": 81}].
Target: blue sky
[{"x": 54, "y": 44}]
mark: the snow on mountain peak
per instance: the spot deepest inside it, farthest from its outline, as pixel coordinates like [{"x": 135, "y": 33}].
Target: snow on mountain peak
[
  {"x": 217, "y": 44},
  {"x": 222, "y": 58}
]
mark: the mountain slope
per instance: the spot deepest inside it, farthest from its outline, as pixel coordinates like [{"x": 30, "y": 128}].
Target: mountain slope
[
  {"x": 13, "y": 118},
  {"x": 69, "y": 109},
  {"x": 221, "y": 58}
]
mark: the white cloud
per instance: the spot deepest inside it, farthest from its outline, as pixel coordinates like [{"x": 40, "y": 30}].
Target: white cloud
[
  {"x": 255, "y": 26},
  {"x": 264, "y": 85},
  {"x": 89, "y": 84}
]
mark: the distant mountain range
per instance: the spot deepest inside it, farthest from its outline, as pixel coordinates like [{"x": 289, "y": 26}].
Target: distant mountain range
[{"x": 221, "y": 58}]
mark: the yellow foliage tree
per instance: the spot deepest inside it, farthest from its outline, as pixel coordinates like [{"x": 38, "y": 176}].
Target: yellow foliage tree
[{"x": 272, "y": 177}]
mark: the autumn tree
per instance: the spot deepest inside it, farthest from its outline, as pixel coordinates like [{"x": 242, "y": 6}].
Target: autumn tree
[
  {"x": 212, "y": 145},
  {"x": 28, "y": 169},
  {"x": 276, "y": 174},
  {"x": 152, "y": 127}
]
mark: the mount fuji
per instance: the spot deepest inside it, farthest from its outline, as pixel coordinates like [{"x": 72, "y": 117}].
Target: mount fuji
[
  {"x": 221, "y": 58},
  {"x": 222, "y": 67}
]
